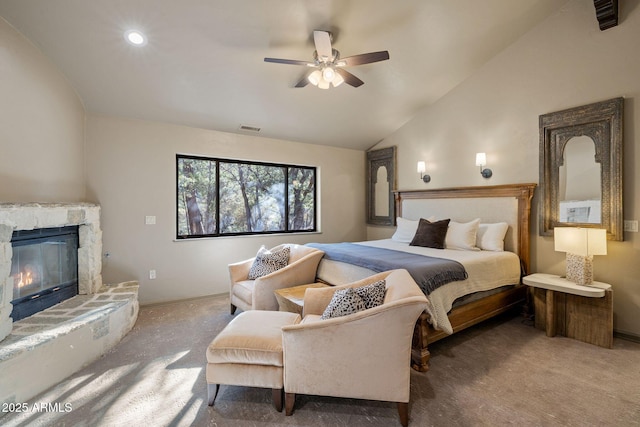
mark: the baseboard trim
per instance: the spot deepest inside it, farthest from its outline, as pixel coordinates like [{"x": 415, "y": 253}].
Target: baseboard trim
[
  {"x": 173, "y": 301},
  {"x": 626, "y": 336}
]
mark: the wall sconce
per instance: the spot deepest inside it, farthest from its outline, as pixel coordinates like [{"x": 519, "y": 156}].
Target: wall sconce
[
  {"x": 481, "y": 160},
  {"x": 422, "y": 168},
  {"x": 580, "y": 244}
]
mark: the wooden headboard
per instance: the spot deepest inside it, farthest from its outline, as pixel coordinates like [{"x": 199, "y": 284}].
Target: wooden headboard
[{"x": 509, "y": 203}]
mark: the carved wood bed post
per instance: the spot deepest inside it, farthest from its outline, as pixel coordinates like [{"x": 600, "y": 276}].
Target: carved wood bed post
[{"x": 470, "y": 314}]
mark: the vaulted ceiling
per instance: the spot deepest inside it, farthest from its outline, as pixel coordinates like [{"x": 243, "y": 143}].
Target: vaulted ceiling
[{"x": 203, "y": 63}]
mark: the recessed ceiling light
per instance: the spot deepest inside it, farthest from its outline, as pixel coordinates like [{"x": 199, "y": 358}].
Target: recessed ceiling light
[{"x": 135, "y": 37}]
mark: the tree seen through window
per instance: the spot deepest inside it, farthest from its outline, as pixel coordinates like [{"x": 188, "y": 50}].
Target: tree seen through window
[{"x": 228, "y": 197}]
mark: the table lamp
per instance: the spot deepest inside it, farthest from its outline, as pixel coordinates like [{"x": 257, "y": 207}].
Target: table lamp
[{"x": 580, "y": 244}]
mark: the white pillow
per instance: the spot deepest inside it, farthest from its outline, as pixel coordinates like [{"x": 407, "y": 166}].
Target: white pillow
[
  {"x": 405, "y": 230},
  {"x": 490, "y": 237},
  {"x": 462, "y": 235}
]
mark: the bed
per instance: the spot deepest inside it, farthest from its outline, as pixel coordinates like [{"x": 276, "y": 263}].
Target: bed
[{"x": 493, "y": 278}]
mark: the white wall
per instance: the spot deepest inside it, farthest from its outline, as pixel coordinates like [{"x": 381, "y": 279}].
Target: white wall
[
  {"x": 41, "y": 126},
  {"x": 132, "y": 173},
  {"x": 564, "y": 62}
]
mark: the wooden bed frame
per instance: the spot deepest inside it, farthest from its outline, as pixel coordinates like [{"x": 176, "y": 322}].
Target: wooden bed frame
[{"x": 481, "y": 309}]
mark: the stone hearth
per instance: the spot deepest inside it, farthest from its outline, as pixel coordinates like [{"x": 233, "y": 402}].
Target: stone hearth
[{"x": 47, "y": 347}]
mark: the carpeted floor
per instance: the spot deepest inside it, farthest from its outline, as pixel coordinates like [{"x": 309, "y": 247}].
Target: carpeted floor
[{"x": 502, "y": 372}]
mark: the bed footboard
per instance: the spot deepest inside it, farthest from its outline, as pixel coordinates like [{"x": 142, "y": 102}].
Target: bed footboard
[{"x": 461, "y": 318}]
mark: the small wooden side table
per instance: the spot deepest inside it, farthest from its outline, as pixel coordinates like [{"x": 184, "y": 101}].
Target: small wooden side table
[
  {"x": 292, "y": 299},
  {"x": 580, "y": 312}
]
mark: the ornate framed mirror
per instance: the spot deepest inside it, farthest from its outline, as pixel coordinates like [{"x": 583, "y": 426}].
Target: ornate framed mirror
[
  {"x": 581, "y": 168},
  {"x": 381, "y": 182}
]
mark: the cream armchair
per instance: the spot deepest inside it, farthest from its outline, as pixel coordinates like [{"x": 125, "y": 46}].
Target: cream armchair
[
  {"x": 258, "y": 294},
  {"x": 365, "y": 355}
]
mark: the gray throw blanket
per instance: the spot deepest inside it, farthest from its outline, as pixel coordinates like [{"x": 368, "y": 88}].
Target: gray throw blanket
[{"x": 429, "y": 273}]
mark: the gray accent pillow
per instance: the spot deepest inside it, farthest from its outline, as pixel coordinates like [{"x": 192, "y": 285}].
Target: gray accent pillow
[
  {"x": 267, "y": 262},
  {"x": 431, "y": 234}
]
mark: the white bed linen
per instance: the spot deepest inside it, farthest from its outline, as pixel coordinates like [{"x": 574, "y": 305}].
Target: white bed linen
[{"x": 486, "y": 270}]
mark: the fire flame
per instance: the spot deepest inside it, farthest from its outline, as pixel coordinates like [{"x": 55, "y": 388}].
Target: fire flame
[{"x": 25, "y": 279}]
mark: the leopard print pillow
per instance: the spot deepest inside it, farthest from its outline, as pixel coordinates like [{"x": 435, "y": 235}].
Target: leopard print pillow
[
  {"x": 267, "y": 262},
  {"x": 352, "y": 300},
  {"x": 344, "y": 302},
  {"x": 372, "y": 295}
]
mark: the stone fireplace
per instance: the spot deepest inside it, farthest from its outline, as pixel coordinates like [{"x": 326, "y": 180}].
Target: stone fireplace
[
  {"x": 32, "y": 216},
  {"x": 46, "y": 347}
]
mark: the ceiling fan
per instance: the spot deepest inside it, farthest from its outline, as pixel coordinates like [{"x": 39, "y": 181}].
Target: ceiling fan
[{"x": 328, "y": 66}]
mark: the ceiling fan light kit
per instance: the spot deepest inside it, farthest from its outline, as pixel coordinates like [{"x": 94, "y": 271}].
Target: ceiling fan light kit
[
  {"x": 328, "y": 67},
  {"x": 328, "y": 74},
  {"x": 325, "y": 78}
]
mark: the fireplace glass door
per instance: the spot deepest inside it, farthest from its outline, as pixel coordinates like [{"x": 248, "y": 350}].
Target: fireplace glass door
[{"x": 44, "y": 268}]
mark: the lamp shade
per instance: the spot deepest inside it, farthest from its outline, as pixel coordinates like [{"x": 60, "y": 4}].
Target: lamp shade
[
  {"x": 580, "y": 241},
  {"x": 481, "y": 159},
  {"x": 328, "y": 74},
  {"x": 323, "y": 84},
  {"x": 422, "y": 167},
  {"x": 314, "y": 78},
  {"x": 337, "y": 80}
]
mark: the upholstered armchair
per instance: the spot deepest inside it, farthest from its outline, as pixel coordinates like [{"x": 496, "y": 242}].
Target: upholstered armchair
[
  {"x": 258, "y": 294},
  {"x": 365, "y": 355}
]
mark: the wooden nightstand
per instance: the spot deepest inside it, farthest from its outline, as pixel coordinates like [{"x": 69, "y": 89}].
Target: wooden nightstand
[
  {"x": 292, "y": 299},
  {"x": 561, "y": 307}
]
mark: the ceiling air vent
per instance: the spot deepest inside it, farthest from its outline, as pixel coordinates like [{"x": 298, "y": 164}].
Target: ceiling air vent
[{"x": 249, "y": 128}]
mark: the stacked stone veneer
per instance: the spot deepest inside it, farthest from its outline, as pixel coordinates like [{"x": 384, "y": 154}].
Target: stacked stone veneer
[{"x": 36, "y": 215}]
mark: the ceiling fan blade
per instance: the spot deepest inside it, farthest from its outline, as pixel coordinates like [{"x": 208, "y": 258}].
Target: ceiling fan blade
[
  {"x": 364, "y": 58},
  {"x": 322, "y": 40},
  {"x": 290, "y": 62},
  {"x": 304, "y": 81},
  {"x": 349, "y": 78}
]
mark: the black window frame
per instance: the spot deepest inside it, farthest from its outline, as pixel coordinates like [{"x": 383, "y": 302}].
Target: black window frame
[{"x": 217, "y": 161}]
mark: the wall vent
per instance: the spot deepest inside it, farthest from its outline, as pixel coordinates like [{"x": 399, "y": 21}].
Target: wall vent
[{"x": 249, "y": 128}]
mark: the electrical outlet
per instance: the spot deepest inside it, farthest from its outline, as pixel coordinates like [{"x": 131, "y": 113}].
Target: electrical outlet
[
  {"x": 631, "y": 225},
  {"x": 150, "y": 220},
  {"x": 152, "y": 274}
]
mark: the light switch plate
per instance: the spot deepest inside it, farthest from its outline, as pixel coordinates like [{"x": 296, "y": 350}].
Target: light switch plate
[
  {"x": 150, "y": 219},
  {"x": 631, "y": 225}
]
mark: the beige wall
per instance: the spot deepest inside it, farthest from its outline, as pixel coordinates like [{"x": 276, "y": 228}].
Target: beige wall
[
  {"x": 41, "y": 126},
  {"x": 131, "y": 173},
  {"x": 565, "y": 62}
]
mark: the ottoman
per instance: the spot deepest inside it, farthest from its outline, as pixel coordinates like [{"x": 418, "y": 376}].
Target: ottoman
[{"x": 248, "y": 352}]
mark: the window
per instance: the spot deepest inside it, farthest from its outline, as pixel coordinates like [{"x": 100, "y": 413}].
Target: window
[{"x": 223, "y": 197}]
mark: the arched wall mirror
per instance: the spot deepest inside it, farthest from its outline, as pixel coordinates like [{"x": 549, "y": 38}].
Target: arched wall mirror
[
  {"x": 381, "y": 182},
  {"x": 581, "y": 168}
]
